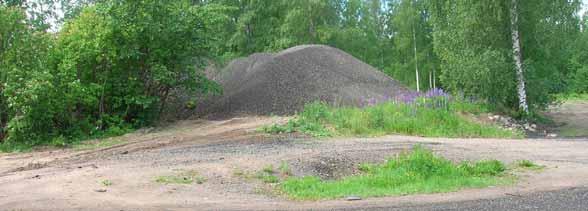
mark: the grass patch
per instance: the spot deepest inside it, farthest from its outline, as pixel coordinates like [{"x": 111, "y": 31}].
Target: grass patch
[
  {"x": 573, "y": 131},
  {"x": 97, "y": 144},
  {"x": 572, "y": 97},
  {"x": 419, "y": 171},
  {"x": 285, "y": 169},
  {"x": 185, "y": 178},
  {"x": 266, "y": 175},
  {"x": 106, "y": 182},
  {"x": 98, "y": 139},
  {"x": 527, "y": 164},
  {"x": 321, "y": 120}
]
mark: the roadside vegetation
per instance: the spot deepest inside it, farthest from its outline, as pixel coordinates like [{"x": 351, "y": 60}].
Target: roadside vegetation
[
  {"x": 431, "y": 115},
  {"x": 419, "y": 171}
]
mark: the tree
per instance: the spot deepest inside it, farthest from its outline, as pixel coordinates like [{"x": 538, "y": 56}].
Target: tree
[
  {"x": 517, "y": 56},
  {"x": 26, "y": 89},
  {"x": 112, "y": 67},
  {"x": 475, "y": 44},
  {"x": 578, "y": 76},
  {"x": 411, "y": 32}
]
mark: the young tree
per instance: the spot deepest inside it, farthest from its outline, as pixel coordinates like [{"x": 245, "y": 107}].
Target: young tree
[{"x": 411, "y": 33}]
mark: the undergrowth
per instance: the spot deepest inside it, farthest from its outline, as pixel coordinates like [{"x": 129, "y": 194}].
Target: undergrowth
[
  {"x": 419, "y": 171},
  {"x": 77, "y": 141},
  {"x": 321, "y": 120}
]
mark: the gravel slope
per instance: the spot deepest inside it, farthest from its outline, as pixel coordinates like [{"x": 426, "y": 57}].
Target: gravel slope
[{"x": 284, "y": 82}]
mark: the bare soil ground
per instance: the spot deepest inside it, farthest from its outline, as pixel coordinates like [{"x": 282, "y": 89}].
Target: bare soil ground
[
  {"x": 225, "y": 152},
  {"x": 571, "y": 118}
]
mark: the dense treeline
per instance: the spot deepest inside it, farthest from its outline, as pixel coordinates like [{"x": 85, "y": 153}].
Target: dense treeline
[{"x": 113, "y": 63}]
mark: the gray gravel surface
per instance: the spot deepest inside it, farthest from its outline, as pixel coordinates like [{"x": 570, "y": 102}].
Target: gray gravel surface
[{"x": 568, "y": 199}]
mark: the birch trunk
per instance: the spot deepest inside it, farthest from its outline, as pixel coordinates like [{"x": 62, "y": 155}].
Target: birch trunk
[
  {"x": 416, "y": 61},
  {"x": 517, "y": 56}
]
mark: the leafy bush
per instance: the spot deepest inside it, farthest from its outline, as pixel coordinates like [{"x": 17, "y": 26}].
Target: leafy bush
[{"x": 110, "y": 69}]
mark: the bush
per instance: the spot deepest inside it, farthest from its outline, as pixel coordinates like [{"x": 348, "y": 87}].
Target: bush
[{"x": 104, "y": 73}]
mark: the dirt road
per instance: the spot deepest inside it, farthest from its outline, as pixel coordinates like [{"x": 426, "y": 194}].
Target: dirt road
[{"x": 224, "y": 151}]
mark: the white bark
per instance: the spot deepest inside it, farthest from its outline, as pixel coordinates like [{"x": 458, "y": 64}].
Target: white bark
[
  {"x": 517, "y": 56},
  {"x": 434, "y": 79},
  {"x": 430, "y": 80},
  {"x": 416, "y": 61}
]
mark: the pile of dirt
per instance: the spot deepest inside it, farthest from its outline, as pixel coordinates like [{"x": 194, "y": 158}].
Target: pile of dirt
[{"x": 282, "y": 83}]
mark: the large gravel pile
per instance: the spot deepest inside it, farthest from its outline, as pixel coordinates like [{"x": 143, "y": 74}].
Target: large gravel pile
[{"x": 284, "y": 82}]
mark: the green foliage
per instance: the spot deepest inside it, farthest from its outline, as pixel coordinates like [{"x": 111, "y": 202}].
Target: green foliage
[
  {"x": 28, "y": 100},
  {"x": 419, "y": 171},
  {"x": 474, "y": 44},
  {"x": 321, "y": 120},
  {"x": 109, "y": 69}
]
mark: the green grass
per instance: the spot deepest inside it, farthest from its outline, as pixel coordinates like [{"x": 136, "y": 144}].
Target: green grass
[
  {"x": 285, "y": 169},
  {"x": 99, "y": 139},
  {"x": 572, "y": 97},
  {"x": 572, "y": 131},
  {"x": 97, "y": 144},
  {"x": 419, "y": 171},
  {"x": 185, "y": 178},
  {"x": 321, "y": 120},
  {"x": 106, "y": 183},
  {"x": 527, "y": 164},
  {"x": 266, "y": 175}
]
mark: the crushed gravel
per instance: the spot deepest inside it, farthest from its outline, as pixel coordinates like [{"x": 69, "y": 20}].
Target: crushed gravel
[{"x": 282, "y": 83}]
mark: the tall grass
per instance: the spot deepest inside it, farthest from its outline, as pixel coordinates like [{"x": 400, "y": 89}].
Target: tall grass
[
  {"x": 417, "y": 172},
  {"x": 420, "y": 118}
]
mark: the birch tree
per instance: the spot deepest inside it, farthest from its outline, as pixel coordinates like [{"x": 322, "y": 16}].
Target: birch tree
[{"x": 517, "y": 57}]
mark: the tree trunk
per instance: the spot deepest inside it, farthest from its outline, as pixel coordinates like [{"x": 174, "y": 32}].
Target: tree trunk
[
  {"x": 517, "y": 56},
  {"x": 434, "y": 79},
  {"x": 430, "y": 80},
  {"x": 416, "y": 61}
]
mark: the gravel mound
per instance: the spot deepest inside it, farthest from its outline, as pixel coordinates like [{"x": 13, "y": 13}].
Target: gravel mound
[{"x": 282, "y": 83}]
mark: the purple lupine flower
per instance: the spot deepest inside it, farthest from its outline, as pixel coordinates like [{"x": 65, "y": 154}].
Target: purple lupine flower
[
  {"x": 408, "y": 98},
  {"x": 372, "y": 101},
  {"x": 436, "y": 92}
]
